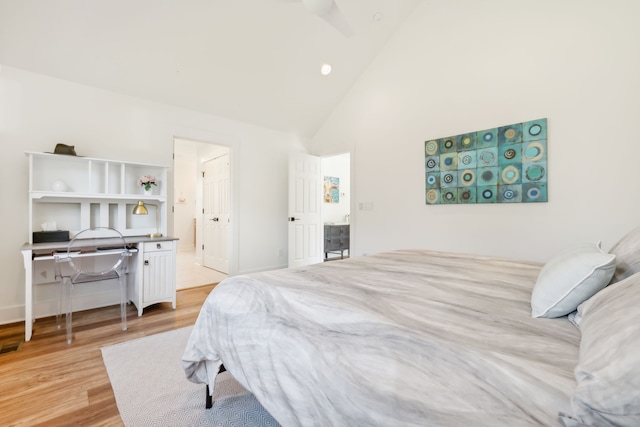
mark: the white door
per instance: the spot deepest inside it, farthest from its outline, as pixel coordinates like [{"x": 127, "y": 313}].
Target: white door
[
  {"x": 215, "y": 206},
  {"x": 305, "y": 217}
]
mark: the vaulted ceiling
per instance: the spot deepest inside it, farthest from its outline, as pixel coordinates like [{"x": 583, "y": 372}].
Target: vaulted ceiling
[{"x": 256, "y": 61}]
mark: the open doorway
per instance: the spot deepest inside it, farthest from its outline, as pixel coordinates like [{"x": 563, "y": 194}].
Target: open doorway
[
  {"x": 191, "y": 194},
  {"x": 336, "y": 206}
]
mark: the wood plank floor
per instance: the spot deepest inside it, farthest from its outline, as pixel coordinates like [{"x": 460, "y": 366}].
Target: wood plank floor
[{"x": 47, "y": 382}]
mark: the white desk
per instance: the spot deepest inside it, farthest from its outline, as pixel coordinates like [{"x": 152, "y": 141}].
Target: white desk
[{"x": 152, "y": 267}]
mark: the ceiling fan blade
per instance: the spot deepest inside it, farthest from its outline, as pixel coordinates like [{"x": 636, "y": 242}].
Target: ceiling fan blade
[
  {"x": 331, "y": 13},
  {"x": 318, "y": 6},
  {"x": 336, "y": 18}
]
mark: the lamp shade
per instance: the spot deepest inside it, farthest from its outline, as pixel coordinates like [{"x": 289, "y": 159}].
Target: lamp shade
[{"x": 140, "y": 209}]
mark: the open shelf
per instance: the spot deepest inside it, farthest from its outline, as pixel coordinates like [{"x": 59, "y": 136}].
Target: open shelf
[{"x": 82, "y": 192}]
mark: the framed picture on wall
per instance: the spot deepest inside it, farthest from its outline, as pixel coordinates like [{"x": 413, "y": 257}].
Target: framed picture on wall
[
  {"x": 506, "y": 164},
  {"x": 331, "y": 189}
]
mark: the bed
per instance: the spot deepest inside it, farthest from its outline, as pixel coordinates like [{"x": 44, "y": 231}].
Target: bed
[{"x": 420, "y": 338}]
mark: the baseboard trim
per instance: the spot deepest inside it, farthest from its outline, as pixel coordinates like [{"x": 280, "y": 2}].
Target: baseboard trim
[
  {"x": 259, "y": 270},
  {"x": 49, "y": 307},
  {"x": 11, "y": 314}
]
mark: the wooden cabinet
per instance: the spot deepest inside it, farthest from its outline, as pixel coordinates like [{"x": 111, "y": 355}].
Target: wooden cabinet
[{"x": 336, "y": 239}]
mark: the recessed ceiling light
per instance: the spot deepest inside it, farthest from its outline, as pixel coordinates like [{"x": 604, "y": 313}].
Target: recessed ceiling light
[{"x": 325, "y": 70}]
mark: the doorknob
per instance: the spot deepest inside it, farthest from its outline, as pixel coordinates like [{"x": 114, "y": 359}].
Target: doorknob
[
  {"x": 292, "y": 219},
  {"x": 215, "y": 219}
]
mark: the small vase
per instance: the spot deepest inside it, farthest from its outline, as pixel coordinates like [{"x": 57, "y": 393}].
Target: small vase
[{"x": 147, "y": 192}]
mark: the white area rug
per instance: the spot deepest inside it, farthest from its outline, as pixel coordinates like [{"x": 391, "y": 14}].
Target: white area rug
[{"x": 151, "y": 388}]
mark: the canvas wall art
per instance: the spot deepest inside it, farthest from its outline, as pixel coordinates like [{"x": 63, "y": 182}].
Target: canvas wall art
[
  {"x": 331, "y": 189},
  {"x": 507, "y": 164}
]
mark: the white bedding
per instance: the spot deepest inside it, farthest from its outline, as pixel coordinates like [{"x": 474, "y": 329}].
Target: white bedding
[{"x": 404, "y": 338}]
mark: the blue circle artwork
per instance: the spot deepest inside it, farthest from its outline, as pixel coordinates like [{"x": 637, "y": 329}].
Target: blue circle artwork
[
  {"x": 532, "y": 151},
  {"x": 504, "y": 164},
  {"x": 535, "y": 130}
]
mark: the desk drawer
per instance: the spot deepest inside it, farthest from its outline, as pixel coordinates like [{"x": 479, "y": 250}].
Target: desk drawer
[{"x": 158, "y": 246}]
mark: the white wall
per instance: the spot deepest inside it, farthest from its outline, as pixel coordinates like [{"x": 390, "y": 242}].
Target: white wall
[
  {"x": 462, "y": 65},
  {"x": 338, "y": 166},
  {"x": 36, "y": 112}
]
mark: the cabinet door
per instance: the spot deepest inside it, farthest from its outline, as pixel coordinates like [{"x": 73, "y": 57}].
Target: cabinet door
[
  {"x": 332, "y": 238},
  {"x": 158, "y": 284},
  {"x": 335, "y": 231},
  {"x": 344, "y": 237}
]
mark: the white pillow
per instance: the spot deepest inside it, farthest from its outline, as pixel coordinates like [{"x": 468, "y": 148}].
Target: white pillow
[
  {"x": 627, "y": 252},
  {"x": 608, "y": 369},
  {"x": 569, "y": 279}
]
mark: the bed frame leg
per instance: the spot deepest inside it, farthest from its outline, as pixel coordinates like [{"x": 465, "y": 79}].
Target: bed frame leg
[{"x": 209, "y": 399}]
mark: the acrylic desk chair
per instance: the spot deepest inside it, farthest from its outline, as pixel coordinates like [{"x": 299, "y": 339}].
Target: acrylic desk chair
[{"x": 94, "y": 254}]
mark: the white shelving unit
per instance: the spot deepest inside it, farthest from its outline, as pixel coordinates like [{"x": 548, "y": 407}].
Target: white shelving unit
[{"x": 82, "y": 192}]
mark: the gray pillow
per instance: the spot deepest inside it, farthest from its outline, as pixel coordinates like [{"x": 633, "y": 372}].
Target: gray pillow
[
  {"x": 569, "y": 279},
  {"x": 627, "y": 252},
  {"x": 608, "y": 370}
]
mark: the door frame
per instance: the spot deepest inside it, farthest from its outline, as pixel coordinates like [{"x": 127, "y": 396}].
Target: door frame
[
  {"x": 352, "y": 190},
  {"x": 232, "y": 144},
  {"x": 352, "y": 204}
]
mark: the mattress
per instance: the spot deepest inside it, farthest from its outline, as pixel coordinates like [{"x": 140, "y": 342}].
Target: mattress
[{"x": 408, "y": 337}]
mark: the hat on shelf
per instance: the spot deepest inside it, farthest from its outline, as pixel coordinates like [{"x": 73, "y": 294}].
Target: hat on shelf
[{"x": 68, "y": 150}]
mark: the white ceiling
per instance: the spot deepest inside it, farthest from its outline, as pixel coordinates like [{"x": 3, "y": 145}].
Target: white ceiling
[{"x": 256, "y": 61}]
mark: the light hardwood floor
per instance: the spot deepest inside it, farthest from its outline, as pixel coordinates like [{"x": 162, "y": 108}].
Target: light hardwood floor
[{"x": 48, "y": 382}]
